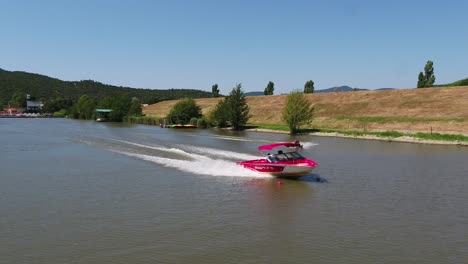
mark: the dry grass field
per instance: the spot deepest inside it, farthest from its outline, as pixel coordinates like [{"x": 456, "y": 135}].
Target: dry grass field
[{"x": 445, "y": 110}]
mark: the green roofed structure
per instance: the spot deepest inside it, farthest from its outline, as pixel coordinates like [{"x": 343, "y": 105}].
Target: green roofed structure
[
  {"x": 103, "y": 110},
  {"x": 103, "y": 115}
]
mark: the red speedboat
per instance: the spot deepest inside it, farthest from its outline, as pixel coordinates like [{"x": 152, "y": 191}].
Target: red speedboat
[{"x": 282, "y": 160}]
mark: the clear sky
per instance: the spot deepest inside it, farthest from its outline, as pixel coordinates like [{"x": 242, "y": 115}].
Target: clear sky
[{"x": 194, "y": 44}]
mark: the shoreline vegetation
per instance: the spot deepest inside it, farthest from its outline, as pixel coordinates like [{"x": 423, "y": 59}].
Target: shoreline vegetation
[
  {"x": 437, "y": 115},
  {"x": 389, "y": 136}
]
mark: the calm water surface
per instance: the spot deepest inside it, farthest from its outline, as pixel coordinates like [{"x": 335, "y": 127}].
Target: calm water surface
[{"x": 85, "y": 192}]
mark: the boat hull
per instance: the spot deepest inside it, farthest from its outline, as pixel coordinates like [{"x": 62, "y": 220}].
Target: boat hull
[
  {"x": 280, "y": 162},
  {"x": 283, "y": 171}
]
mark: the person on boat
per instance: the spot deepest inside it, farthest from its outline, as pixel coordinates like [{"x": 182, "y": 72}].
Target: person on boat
[{"x": 298, "y": 145}]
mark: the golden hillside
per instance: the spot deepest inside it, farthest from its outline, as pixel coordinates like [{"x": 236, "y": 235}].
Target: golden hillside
[{"x": 443, "y": 109}]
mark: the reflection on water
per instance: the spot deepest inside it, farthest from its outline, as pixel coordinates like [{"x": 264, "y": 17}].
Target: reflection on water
[
  {"x": 85, "y": 192},
  {"x": 312, "y": 177}
]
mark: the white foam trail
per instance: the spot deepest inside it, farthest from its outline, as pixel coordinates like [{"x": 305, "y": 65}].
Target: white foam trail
[
  {"x": 220, "y": 153},
  {"x": 195, "y": 149},
  {"x": 306, "y": 145},
  {"x": 173, "y": 150},
  {"x": 201, "y": 166},
  {"x": 239, "y": 139}
]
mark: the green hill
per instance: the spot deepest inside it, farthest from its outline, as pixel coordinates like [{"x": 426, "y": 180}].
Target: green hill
[
  {"x": 45, "y": 88},
  {"x": 463, "y": 82}
]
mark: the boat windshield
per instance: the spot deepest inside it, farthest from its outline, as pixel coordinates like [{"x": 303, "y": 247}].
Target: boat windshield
[
  {"x": 296, "y": 155},
  {"x": 284, "y": 156}
]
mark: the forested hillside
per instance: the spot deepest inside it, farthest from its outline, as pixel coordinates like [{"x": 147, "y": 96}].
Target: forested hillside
[{"x": 41, "y": 87}]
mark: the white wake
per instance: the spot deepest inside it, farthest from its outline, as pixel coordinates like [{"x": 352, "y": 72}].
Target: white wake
[
  {"x": 219, "y": 153},
  {"x": 200, "y": 165},
  {"x": 197, "y": 160},
  {"x": 202, "y": 160},
  {"x": 307, "y": 145}
]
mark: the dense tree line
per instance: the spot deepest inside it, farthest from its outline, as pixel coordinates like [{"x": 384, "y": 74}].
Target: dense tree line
[
  {"x": 231, "y": 111},
  {"x": 122, "y": 107},
  {"x": 15, "y": 85}
]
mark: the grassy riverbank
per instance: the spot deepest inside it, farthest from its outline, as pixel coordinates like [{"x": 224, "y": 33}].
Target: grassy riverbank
[
  {"x": 439, "y": 113},
  {"x": 419, "y": 137}
]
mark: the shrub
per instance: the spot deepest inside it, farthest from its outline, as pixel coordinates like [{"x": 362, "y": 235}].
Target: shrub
[
  {"x": 297, "y": 112},
  {"x": 60, "y": 113},
  {"x": 202, "y": 123},
  {"x": 193, "y": 121},
  {"x": 183, "y": 111}
]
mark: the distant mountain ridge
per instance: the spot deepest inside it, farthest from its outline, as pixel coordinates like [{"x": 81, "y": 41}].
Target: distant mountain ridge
[
  {"x": 335, "y": 89},
  {"x": 344, "y": 88},
  {"x": 44, "y": 87},
  {"x": 254, "y": 93}
]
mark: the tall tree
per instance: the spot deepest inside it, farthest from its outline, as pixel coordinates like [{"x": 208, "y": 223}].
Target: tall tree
[
  {"x": 85, "y": 107},
  {"x": 120, "y": 107},
  {"x": 427, "y": 78},
  {"x": 309, "y": 87},
  {"x": 219, "y": 116},
  {"x": 135, "y": 108},
  {"x": 215, "y": 90},
  {"x": 238, "y": 110},
  {"x": 421, "y": 80},
  {"x": 2, "y": 103},
  {"x": 297, "y": 112},
  {"x": 269, "y": 89},
  {"x": 19, "y": 99}
]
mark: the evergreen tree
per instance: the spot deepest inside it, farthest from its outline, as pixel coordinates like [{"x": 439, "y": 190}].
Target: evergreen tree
[
  {"x": 215, "y": 90},
  {"x": 309, "y": 87},
  {"x": 238, "y": 110},
  {"x": 427, "y": 78},
  {"x": 421, "y": 80},
  {"x": 269, "y": 89},
  {"x": 429, "y": 73}
]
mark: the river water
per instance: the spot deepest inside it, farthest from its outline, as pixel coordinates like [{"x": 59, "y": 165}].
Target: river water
[{"x": 85, "y": 192}]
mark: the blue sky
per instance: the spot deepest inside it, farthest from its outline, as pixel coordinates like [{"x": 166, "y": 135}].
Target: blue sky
[{"x": 194, "y": 44}]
